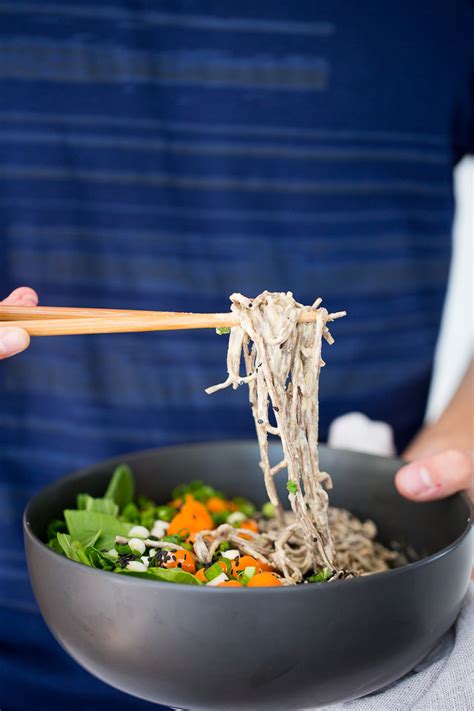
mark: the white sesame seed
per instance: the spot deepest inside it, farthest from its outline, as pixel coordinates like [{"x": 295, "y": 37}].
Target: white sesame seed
[
  {"x": 162, "y": 524},
  {"x": 158, "y": 529},
  {"x": 218, "y": 579},
  {"x": 139, "y": 532},
  {"x": 137, "y": 545},
  {"x": 136, "y": 566}
]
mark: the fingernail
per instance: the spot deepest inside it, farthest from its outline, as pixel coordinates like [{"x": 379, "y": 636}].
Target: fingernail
[
  {"x": 418, "y": 482},
  {"x": 12, "y": 340}
]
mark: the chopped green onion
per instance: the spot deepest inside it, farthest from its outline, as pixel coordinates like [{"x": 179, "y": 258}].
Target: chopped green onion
[
  {"x": 130, "y": 513},
  {"x": 174, "y": 538},
  {"x": 222, "y": 330},
  {"x": 228, "y": 564},
  {"x": 224, "y": 546},
  {"x": 292, "y": 487},
  {"x": 165, "y": 513},
  {"x": 221, "y": 517},
  {"x": 268, "y": 510},
  {"x": 213, "y": 571},
  {"x": 244, "y": 505},
  {"x": 236, "y": 518},
  {"x": 247, "y": 574},
  {"x": 320, "y": 577}
]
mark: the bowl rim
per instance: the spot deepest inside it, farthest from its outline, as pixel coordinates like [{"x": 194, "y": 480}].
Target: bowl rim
[{"x": 160, "y": 585}]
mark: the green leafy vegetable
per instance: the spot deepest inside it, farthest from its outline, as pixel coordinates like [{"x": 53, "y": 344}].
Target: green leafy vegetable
[
  {"x": 177, "y": 540},
  {"x": 73, "y": 549},
  {"x": 200, "y": 491},
  {"x": 147, "y": 517},
  {"x": 121, "y": 487},
  {"x": 88, "y": 503},
  {"x": 244, "y": 505},
  {"x": 222, "y": 330},
  {"x": 131, "y": 513},
  {"x": 321, "y": 577},
  {"x": 54, "y": 527},
  {"x": 167, "y": 575},
  {"x": 165, "y": 513},
  {"x": 81, "y": 501},
  {"x": 292, "y": 487},
  {"x": 83, "y": 525},
  {"x": 101, "y": 560},
  {"x": 54, "y": 545},
  {"x": 144, "y": 502},
  {"x": 221, "y": 517}
]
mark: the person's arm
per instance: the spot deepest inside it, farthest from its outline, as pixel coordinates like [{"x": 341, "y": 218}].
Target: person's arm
[
  {"x": 14, "y": 340},
  {"x": 443, "y": 452}
]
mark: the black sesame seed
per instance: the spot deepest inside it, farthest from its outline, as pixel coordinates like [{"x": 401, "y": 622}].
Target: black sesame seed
[
  {"x": 277, "y": 409},
  {"x": 260, "y": 422},
  {"x": 180, "y": 565},
  {"x": 124, "y": 559}
]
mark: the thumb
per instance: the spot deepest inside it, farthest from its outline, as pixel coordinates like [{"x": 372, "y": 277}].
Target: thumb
[
  {"x": 12, "y": 341},
  {"x": 435, "y": 477}
]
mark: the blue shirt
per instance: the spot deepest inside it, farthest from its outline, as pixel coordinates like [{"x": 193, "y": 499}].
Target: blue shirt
[{"x": 163, "y": 155}]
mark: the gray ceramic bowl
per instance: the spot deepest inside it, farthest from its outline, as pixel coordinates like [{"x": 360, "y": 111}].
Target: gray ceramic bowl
[{"x": 277, "y": 648}]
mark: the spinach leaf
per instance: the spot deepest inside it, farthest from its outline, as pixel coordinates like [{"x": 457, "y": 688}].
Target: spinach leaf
[
  {"x": 145, "y": 503},
  {"x": 121, "y": 487},
  {"x": 88, "y": 503},
  {"x": 73, "y": 549},
  {"x": 83, "y": 525},
  {"x": 54, "y": 545},
  {"x": 167, "y": 575},
  {"x": 81, "y": 502},
  {"x": 92, "y": 540},
  {"x": 199, "y": 490},
  {"x": 165, "y": 513},
  {"x": 244, "y": 505},
  {"x": 101, "y": 560},
  {"x": 54, "y": 527},
  {"x": 130, "y": 513}
]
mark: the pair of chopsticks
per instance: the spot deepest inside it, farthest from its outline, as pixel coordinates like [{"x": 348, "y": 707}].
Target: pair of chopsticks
[{"x": 59, "y": 321}]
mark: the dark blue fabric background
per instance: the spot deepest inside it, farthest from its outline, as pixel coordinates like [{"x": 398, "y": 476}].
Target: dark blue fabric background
[{"x": 164, "y": 154}]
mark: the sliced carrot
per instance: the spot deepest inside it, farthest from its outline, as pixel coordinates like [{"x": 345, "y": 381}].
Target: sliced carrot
[
  {"x": 193, "y": 517},
  {"x": 201, "y": 574},
  {"x": 180, "y": 559},
  {"x": 264, "y": 580},
  {"x": 250, "y": 525},
  {"x": 245, "y": 561},
  {"x": 230, "y": 584},
  {"x": 216, "y": 505}
]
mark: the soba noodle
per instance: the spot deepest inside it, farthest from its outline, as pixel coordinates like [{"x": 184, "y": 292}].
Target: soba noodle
[{"x": 282, "y": 357}]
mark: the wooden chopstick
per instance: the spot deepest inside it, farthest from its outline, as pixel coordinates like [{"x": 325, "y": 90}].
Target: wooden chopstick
[{"x": 56, "y": 321}]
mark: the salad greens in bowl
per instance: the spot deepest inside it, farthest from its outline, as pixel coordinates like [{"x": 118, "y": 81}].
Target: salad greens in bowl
[{"x": 121, "y": 534}]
